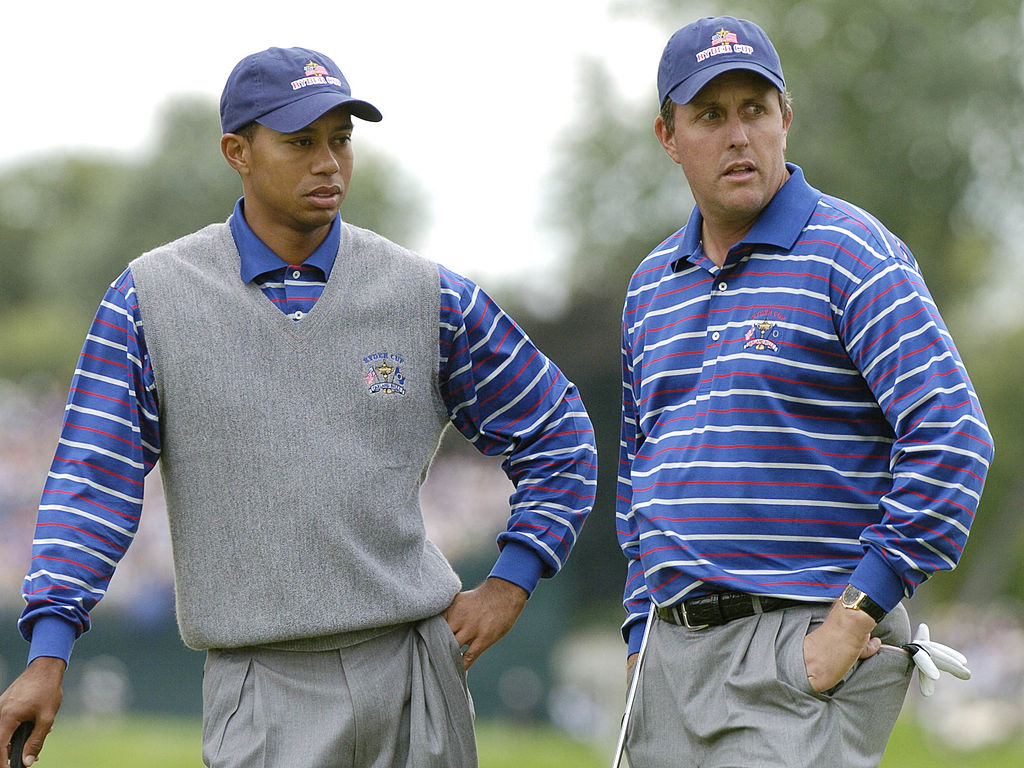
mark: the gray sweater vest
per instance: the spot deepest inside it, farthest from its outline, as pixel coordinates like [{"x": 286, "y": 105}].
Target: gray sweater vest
[{"x": 293, "y": 452}]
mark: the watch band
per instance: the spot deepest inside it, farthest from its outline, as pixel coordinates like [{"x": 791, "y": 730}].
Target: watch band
[{"x": 854, "y": 599}]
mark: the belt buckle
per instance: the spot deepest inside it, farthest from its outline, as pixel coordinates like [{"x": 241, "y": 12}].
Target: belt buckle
[{"x": 686, "y": 619}]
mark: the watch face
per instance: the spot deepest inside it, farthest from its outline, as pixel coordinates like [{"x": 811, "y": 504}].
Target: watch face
[{"x": 855, "y": 599}]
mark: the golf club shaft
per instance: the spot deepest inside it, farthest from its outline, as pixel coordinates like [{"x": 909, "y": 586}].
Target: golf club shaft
[{"x": 631, "y": 696}]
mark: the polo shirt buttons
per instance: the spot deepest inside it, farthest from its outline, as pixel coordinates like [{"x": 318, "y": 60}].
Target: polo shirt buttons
[
  {"x": 296, "y": 274},
  {"x": 723, "y": 286},
  {"x": 715, "y": 336}
]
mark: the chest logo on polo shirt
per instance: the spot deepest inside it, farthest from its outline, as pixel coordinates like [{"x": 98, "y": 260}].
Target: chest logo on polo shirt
[
  {"x": 384, "y": 374},
  {"x": 763, "y": 330}
]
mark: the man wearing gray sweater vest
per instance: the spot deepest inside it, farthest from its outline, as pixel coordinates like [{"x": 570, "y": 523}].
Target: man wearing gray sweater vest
[{"x": 293, "y": 374}]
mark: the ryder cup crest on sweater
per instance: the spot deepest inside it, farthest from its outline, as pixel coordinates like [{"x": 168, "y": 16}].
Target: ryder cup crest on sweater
[{"x": 384, "y": 375}]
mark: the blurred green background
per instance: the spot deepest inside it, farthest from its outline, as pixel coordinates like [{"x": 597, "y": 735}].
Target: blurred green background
[{"x": 912, "y": 110}]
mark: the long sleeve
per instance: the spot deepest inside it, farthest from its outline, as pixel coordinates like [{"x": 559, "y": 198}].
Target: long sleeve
[
  {"x": 893, "y": 333},
  {"x": 92, "y": 499},
  {"x": 508, "y": 399},
  {"x": 635, "y": 599}
]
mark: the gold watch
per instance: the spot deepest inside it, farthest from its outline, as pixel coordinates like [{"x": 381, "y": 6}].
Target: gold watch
[{"x": 856, "y": 600}]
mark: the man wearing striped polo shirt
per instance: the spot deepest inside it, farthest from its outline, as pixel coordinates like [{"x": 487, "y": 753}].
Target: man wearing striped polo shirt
[
  {"x": 293, "y": 374},
  {"x": 801, "y": 445}
]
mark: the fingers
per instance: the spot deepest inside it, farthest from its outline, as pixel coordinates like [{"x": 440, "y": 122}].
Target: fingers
[
  {"x": 25, "y": 743},
  {"x": 926, "y": 684},
  {"x": 470, "y": 655},
  {"x": 922, "y": 635},
  {"x": 925, "y": 664},
  {"x": 948, "y": 659},
  {"x": 469, "y": 636},
  {"x": 34, "y": 744},
  {"x": 465, "y": 640},
  {"x": 870, "y": 648},
  {"x": 474, "y": 641}
]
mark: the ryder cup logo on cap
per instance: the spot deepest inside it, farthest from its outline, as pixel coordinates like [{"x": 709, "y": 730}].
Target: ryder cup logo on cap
[
  {"x": 286, "y": 89},
  {"x": 701, "y": 51}
]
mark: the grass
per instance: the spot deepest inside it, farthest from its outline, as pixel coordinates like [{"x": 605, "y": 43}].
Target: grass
[
  {"x": 174, "y": 743},
  {"x": 119, "y": 742},
  {"x": 910, "y": 747}
]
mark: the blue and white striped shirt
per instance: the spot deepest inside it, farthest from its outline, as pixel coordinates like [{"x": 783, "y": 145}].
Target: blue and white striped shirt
[
  {"x": 500, "y": 391},
  {"x": 794, "y": 421}
]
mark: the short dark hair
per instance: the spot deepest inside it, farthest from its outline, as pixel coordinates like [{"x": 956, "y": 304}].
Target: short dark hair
[
  {"x": 247, "y": 131},
  {"x": 668, "y": 109}
]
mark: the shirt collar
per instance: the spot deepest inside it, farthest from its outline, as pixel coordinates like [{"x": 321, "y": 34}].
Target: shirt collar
[
  {"x": 257, "y": 257},
  {"x": 779, "y": 224}
]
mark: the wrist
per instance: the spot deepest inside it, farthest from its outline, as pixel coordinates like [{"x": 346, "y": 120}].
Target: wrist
[
  {"x": 851, "y": 621},
  {"x": 508, "y": 590},
  {"x": 857, "y": 601},
  {"x": 49, "y": 667}
]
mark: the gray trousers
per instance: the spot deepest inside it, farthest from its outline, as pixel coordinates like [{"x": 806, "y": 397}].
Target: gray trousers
[
  {"x": 397, "y": 701},
  {"x": 737, "y": 696}
]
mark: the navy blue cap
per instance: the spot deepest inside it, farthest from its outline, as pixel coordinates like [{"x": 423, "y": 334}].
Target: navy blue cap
[
  {"x": 286, "y": 89},
  {"x": 701, "y": 51}
]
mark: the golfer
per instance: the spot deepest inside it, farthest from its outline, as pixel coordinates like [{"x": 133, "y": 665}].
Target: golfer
[
  {"x": 293, "y": 374},
  {"x": 801, "y": 445}
]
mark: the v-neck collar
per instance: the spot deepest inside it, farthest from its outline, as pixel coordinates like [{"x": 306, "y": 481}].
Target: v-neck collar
[{"x": 335, "y": 287}]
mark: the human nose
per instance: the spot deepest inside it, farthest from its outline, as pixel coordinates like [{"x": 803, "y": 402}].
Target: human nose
[
  {"x": 737, "y": 132},
  {"x": 325, "y": 162}
]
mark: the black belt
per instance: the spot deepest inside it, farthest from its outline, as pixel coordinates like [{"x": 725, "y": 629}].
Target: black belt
[{"x": 720, "y": 608}]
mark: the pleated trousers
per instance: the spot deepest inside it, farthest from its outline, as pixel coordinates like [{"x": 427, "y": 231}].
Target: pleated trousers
[
  {"x": 399, "y": 700},
  {"x": 737, "y": 696}
]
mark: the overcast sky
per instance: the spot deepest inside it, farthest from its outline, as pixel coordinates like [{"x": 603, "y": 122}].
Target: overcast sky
[{"x": 473, "y": 93}]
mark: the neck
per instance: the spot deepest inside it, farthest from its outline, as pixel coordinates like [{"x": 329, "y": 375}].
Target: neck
[
  {"x": 293, "y": 243},
  {"x": 293, "y": 246},
  {"x": 719, "y": 239}
]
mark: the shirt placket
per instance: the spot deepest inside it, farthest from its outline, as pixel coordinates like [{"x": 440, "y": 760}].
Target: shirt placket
[
  {"x": 296, "y": 292},
  {"x": 714, "y": 332}
]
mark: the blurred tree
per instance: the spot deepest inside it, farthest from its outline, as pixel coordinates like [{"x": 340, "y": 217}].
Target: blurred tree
[
  {"x": 69, "y": 226},
  {"x": 910, "y": 110},
  {"x": 993, "y": 562}
]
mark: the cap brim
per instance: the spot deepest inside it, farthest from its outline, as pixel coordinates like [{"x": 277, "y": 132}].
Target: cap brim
[
  {"x": 297, "y": 115},
  {"x": 690, "y": 87}
]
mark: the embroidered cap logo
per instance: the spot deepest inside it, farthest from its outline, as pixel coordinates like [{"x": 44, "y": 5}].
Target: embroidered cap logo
[
  {"x": 724, "y": 41},
  {"x": 723, "y": 37},
  {"x": 314, "y": 74}
]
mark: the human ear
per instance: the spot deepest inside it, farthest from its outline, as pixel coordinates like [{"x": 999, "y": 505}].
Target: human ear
[
  {"x": 787, "y": 120},
  {"x": 666, "y": 139},
  {"x": 235, "y": 149}
]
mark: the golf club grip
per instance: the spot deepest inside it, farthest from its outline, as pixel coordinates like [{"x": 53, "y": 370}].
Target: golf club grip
[{"x": 18, "y": 740}]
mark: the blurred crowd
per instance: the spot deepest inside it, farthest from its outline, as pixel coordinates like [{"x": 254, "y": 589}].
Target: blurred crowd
[
  {"x": 29, "y": 422},
  {"x": 988, "y": 709}
]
